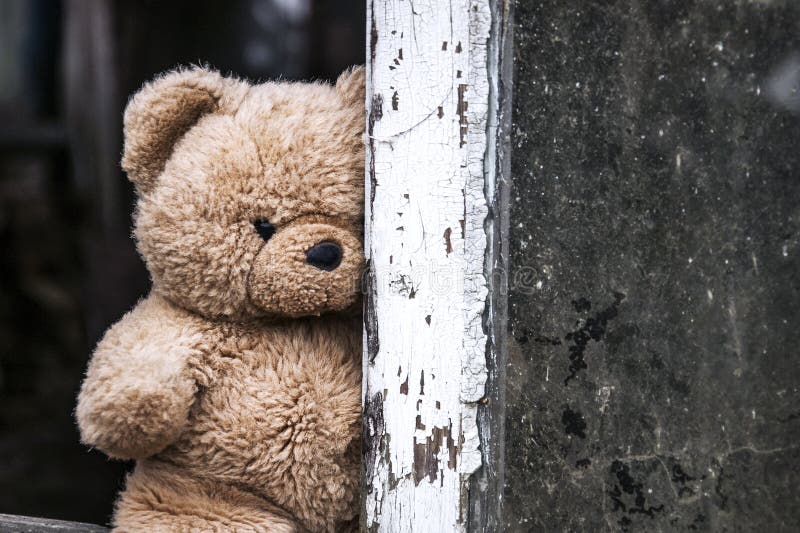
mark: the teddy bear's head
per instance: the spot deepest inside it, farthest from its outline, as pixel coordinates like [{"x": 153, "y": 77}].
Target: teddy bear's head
[{"x": 250, "y": 197}]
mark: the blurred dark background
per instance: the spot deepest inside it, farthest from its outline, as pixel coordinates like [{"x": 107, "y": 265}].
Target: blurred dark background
[{"x": 68, "y": 267}]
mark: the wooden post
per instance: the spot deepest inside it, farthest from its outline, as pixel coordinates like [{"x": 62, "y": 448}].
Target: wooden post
[{"x": 431, "y": 167}]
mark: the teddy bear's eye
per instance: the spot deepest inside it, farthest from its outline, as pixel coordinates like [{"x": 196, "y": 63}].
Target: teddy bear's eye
[{"x": 264, "y": 229}]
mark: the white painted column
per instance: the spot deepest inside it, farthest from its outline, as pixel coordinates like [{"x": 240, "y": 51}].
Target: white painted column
[{"x": 430, "y": 181}]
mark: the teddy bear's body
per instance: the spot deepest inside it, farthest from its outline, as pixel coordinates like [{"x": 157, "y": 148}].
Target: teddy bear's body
[
  {"x": 268, "y": 433},
  {"x": 236, "y": 383}
]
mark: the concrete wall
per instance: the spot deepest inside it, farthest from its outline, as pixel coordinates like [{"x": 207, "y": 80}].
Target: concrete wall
[{"x": 655, "y": 267}]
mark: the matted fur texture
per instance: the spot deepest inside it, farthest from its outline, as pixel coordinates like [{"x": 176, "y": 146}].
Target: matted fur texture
[{"x": 236, "y": 383}]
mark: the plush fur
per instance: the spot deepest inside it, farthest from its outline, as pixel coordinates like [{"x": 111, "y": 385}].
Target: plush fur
[{"x": 236, "y": 383}]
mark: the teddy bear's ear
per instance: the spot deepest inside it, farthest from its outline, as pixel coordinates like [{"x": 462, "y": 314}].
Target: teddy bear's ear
[
  {"x": 351, "y": 85},
  {"x": 161, "y": 113}
]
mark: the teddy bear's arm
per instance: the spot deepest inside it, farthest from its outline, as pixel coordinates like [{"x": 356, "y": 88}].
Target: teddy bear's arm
[{"x": 140, "y": 384}]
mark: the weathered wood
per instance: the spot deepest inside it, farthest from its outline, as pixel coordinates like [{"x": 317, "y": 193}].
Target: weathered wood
[
  {"x": 487, "y": 485},
  {"x": 25, "y": 524},
  {"x": 430, "y": 187}
]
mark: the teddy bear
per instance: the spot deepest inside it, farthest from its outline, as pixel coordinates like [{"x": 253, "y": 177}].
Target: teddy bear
[{"x": 236, "y": 383}]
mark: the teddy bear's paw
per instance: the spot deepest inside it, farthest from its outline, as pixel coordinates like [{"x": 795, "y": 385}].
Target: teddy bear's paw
[{"x": 130, "y": 419}]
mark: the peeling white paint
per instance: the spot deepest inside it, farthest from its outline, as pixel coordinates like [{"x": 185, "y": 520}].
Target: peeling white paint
[{"x": 425, "y": 347}]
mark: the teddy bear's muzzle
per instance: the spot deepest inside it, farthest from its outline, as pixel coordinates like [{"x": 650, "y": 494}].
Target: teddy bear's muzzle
[{"x": 308, "y": 267}]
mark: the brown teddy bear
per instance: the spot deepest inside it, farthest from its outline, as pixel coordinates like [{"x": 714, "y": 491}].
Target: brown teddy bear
[{"x": 236, "y": 383}]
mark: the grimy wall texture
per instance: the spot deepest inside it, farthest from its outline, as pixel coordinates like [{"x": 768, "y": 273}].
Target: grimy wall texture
[{"x": 655, "y": 267}]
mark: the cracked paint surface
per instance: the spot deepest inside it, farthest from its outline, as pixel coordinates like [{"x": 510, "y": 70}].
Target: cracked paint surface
[{"x": 426, "y": 243}]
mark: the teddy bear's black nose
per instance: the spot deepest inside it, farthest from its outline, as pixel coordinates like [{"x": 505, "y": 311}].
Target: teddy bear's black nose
[{"x": 325, "y": 256}]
